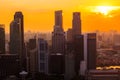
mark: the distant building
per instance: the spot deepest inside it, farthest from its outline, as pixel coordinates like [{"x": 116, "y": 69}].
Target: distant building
[
  {"x": 9, "y": 65},
  {"x": 58, "y": 35},
  {"x": 116, "y": 42},
  {"x": 90, "y": 50},
  {"x": 2, "y": 39},
  {"x": 17, "y": 37},
  {"x": 76, "y": 23},
  {"x": 43, "y": 56}
]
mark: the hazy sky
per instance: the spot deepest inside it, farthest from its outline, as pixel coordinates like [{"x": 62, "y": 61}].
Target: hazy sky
[{"x": 39, "y": 14}]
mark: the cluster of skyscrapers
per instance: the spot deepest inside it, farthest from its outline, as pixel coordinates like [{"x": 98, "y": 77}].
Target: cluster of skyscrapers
[{"x": 67, "y": 56}]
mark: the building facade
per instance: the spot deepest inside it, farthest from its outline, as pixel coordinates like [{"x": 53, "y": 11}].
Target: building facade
[
  {"x": 32, "y": 59},
  {"x": 43, "y": 56},
  {"x": 90, "y": 50},
  {"x": 10, "y": 65},
  {"x": 78, "y": 52}
]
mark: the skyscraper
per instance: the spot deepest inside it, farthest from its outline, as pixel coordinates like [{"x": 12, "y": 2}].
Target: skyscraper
[
  {"x": 19, "y": 18},
  {"x": 42, "y": 56},
  {"x": 90, "y": 50},
  {"x": 17, "y": 36},
  {"x": 78, "y": 52},
  {"x": 58, "y": 18},
  {"x": 58, "y": 35},
  {"x": 2, "y": 39},
  {"x": 32, "y": 57},
  {"x": 14, "y": 38},
  {"x": 76, "y": 23}
]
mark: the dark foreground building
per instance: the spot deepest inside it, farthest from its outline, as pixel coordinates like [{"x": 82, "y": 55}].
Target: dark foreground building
[
  {"x": 9, "y": 65},
  {"x": 78, "y": 52},
  {"x": 57, "y": 65}
]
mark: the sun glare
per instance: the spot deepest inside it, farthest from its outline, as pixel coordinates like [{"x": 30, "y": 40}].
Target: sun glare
[{"x": 104, "y": 9}]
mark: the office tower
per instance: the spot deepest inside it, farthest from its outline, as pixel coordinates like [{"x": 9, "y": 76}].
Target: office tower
[
  {"x": 17, "y": 37},
  {"x": 78, "y": 51},
  {"x": 42, "y": 56},
  {"x": 32, "y": 57},
  {"x": 2, "y": 39},
  {"x": 58, "y": 18},
  {"x": 15, "y": 47},
  {"x": 58, "y": 35},
  {"x": 76, "y": 23},
  {"x": 90, "y": 50}
]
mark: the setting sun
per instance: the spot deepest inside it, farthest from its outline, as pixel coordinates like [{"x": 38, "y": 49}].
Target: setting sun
[{"x": 104, "y": 9}]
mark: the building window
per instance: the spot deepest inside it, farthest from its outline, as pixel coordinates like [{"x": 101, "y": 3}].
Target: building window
[
  {"x": 42, "y": 66},
  {"x": 42, "y": 56}
]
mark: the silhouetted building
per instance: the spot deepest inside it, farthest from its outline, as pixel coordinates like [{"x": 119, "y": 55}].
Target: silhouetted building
[
  {"x": 58, "y": 35},
  {"x": 2, "y": 39},
  {"x": 58, "y": 18},
  {"x": 78, "y": 51},
  {"x": 17, "y": 37},
  {"x": 15, "y": 47},
  {"x": 56, "y": 64},
  {"x": 69, "y": 42},
  {"x": 43, "y": 56},
  {"x": 69, "y": 66},
  {"x": 9, "y": 65},
  {"x": 90, "y": 50},
  {"x": 32, "y": 57},
  {"x": 76, "y": 23}
]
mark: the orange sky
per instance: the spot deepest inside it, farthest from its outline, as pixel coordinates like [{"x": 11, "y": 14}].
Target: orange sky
[{"x": 39, "y": 14}]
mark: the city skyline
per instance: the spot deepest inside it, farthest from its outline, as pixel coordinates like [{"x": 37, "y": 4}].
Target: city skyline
[
  {"x": 67, "y": 55},
  {"x": 39, "y": 15}
]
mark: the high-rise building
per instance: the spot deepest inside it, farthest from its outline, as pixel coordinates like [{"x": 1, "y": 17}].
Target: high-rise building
[
  {"x": 78, "y": 51},
  {"x": 32, "y": 57},
  {"x": 76, "y": 23},
  {"x": 58, "y": 18},
  {"x": 17, "y": 37},
  {"x": 58, "y": 35},
  {"x": 90, "y": 50},
  {"x": 43, "y": 56},
  {"x": 2, "y": 39}
]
